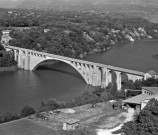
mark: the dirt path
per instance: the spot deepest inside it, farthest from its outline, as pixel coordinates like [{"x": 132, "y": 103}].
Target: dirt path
[{"x": 129, "y": 116}]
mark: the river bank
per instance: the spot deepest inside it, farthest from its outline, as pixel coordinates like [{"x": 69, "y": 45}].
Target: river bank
[
  {"x": 101, "y": 116},
  {"x": 8, "y": 69},
  {"x": 88, "y": 115}
]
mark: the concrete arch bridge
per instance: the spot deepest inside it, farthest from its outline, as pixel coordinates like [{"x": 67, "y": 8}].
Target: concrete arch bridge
[{"x": 94, "y": 74}]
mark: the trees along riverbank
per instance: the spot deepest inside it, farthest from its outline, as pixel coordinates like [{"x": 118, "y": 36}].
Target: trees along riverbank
[{"x": 7, "y": 62}]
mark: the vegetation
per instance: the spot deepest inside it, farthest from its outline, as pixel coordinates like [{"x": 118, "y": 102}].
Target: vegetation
[
  {"x": 7, "y": 59},
  {"x": 146, "y": 123},
  {"x": 137, "y": 85},
  {"x": 9, "y": 117},
  {"x": 99, "y": 95},
  {"x": 27, "y": 110},
  {"x": 51, "y": 105},
  {"x": 26, "y": 127},
  {"x": 84, "y": 131},
  {"x": 72, "y": 33}
]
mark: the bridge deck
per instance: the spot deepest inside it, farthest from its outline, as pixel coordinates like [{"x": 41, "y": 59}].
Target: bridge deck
[{"x": 79, "y": 61}]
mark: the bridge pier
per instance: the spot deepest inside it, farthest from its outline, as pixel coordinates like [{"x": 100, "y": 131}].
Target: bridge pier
[
  {"x": 16, "y": 55},
  {"x": 108, "y": 77},
  {"x": 94, "y": 76},
  {"x": 27, "y": 61},
  {"x": 118, "y": 80},
  {"x": 90, "y": 75},
  {"x": 19, "y": 59},
  {"x": 104, "y": 77},
  {"x": 87, "y": 74}
]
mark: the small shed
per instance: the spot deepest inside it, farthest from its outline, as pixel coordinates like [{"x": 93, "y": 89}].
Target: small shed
[{"x": 71, "y": 124}]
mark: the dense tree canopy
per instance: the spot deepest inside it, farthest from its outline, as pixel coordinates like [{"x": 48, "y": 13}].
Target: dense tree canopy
[{"x": 72, "y": 33}]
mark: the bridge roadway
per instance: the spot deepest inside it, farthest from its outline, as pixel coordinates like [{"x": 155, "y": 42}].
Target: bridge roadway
[
  {"x": 80, "y": 61},
  {"x": 93, "y": 73}
]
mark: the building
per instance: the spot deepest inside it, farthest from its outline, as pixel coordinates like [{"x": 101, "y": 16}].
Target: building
[
  {"x": 141, "y": 100},
  {"x": 71, "y": 124},
  {"x": 46, "y": 30},
  {"x": 6, "y": 32},
  {"x": 150, "y": 74},
  {"x": 5, "y": 38}
]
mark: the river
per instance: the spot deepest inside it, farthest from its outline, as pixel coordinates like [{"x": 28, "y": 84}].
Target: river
[{"x": 62, "y": 82}]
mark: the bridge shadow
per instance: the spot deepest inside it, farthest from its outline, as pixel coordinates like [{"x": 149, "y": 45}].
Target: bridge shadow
[{"x": 76, "y": 75}]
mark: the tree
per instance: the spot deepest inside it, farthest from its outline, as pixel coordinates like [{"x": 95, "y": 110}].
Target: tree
[
  {"x": 7, "y": 60},
  {"x": 9, "y": 117},
  {"x": 53, "y": 104},
  {"x": 27, "y": 110},
  {"x": 84, "y": 131}
]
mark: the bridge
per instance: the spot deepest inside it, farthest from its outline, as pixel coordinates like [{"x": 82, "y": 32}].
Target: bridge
[{"x": 94, "y": 74}]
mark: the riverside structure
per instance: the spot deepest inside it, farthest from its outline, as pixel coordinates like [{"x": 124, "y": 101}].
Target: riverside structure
[{"x": 94, "y": 74}]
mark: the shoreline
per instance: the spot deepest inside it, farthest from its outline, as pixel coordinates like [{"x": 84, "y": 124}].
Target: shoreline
[{"x": 8, "y": 69}]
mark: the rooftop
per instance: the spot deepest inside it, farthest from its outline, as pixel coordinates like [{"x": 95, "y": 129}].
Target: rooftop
[
  {"x": 151, "y": 89},
  {"x": 136, "y": 99},
  {"x": 152, "y": 72},
  {"x": 71, "y": 121}
]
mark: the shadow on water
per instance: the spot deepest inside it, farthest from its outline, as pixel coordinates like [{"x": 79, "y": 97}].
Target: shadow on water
[{"x": 72, "y": 73}]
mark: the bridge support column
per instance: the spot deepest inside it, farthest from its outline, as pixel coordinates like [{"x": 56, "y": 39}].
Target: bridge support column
[
  {"x": 19, "y": 59},
  {"x": 118, "y": 79},
  {"x": 16, "y": 55},
  {"x": 99, "y": 76},
  {"x": 134, "y": 77},
  {"x": 108, "y": 77},
  {"x": 87, "y": 74},
  {"x": 95, "y": 76},
  {"x": 104, "y": 77},
  {"x": 91, "y": 75},
  {"x": 27, "y": 61},
  {"x": 83, "y": 72}
]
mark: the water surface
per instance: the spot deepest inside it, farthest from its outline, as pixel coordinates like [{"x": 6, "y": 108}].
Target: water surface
[{"x": 62, "y": 82}]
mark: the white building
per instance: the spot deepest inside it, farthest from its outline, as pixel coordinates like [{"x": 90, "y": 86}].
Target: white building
[
  {"x": 141, "y": 100},
  {"x": 150, "y": 74},
  {"x": 71, "y": 124},
  {"x": 5, "y": 38}
]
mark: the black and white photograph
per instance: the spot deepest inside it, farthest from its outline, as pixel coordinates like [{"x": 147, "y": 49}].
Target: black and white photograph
[{"x": 78, "y": 67}]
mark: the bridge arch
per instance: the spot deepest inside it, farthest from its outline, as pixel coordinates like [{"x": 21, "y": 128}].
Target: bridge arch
[{"x": 78, "y": 67}]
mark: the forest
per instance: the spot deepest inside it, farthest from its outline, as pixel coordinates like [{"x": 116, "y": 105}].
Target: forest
[{"x": 73, "y": 33}]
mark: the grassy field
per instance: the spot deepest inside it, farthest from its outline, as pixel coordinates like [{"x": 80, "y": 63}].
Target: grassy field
[
  {"x": 25, "y": 127},
  {"x": 99, "y": 116}
]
